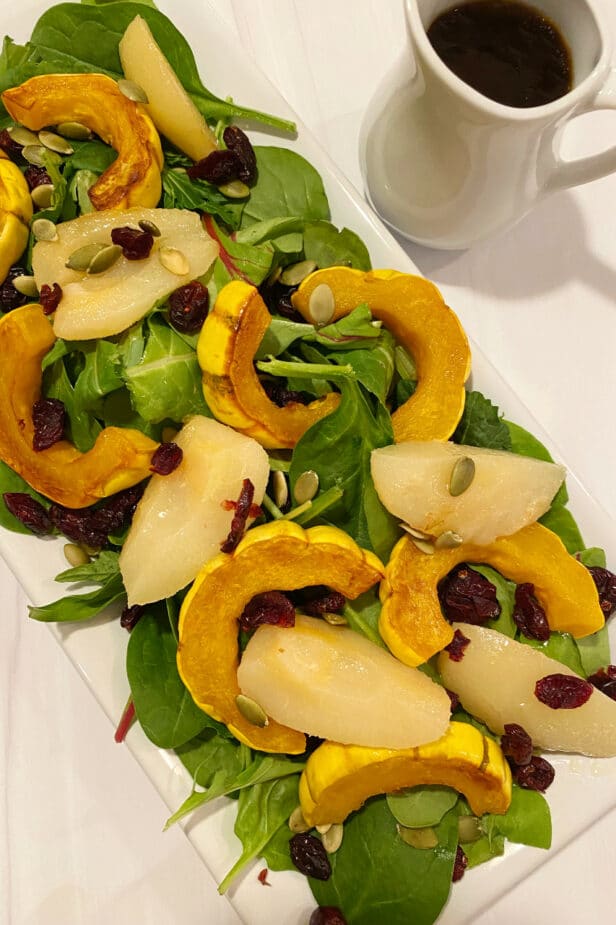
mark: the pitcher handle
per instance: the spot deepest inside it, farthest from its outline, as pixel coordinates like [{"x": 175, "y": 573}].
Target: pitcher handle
[{"x": 566, "y": 173}]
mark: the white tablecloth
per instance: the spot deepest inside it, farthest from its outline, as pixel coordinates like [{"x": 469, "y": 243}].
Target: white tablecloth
[{"x": 80, "y": 829}]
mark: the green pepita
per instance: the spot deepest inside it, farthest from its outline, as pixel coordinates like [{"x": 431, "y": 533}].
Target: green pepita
[
  {"x": 306, "y": 486},
  {"x": 42, "y": 195},
  {"x": 417, "y": 534},
  {"x": 321, "y": 305},
  {"x": 26, "y": 285},
  {"x": 251, "y": 711},
  {"x": 280, "y": 488},
  {"x": 22, "y": 136},
  {"x": 132, "y": 91},
  {"x": 335, "y": 619},
  {"x": 174, "y": 260},
  {"x": 81, "y": 258},
  {"x": 44, "y": 230},
  {"x": 332, "y": 839},
  {"x": 75, "y": 555},
  {"x": 423, "y": 546},
  {"x": 469, "y": 829},
  {"x": 448, "y": 540},
  {"x": 35, "y": 154},
  {"x": 105, "y": 259},
  {"x": 74, "y": 130},
  {"x": 235, "y": 189},
  {"x": 462, "y": 475},
  {"x": 424, "y": 839},
  {"x": 297, "y": 823},
  {"x": 150, "y": 228},
  {"x": 294, "y": 274},
  {"x": 55, "y": 142}
]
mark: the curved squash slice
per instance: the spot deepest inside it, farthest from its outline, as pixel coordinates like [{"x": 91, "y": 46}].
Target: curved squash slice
[
  {"x": 413, "y": 310},
  {"x": 338, "y": 779},
  {"x": 15, "y": 214},
  {"x": 119, "y": 458},
  {"x": 411, "y": 621},
  {"x": 278, "y": 555}
]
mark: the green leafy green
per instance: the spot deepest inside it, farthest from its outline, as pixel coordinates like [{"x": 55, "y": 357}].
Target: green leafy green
[
  {"x": 481, "y": 424},
  {"x": 180, "y": 192},
  {"x": 505, "y": 595},
  {"x": 363, "y": 615},
  {"x": 83, "y": 429},
  {"x": 100, "y": 569},
  {"x": 79, "y": 607},
  {"x": 329, "y": 247},
  {"x": 418, "y": 807},
  {"x": 527, "y": 821},
  {"x": 288, "y": 186},
  {"x": 560, "y": 646}
]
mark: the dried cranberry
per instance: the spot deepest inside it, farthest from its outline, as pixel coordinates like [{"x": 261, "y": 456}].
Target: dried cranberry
[
  {"x": 218, "y": 167},
  {"x": 166, "y": 458},
  {"x": 262, "y": 877},
  {"x": 92, "y": 526},
  {"x": 36, "y": 176},
  {"x": 538, "y": 774},
  {"x": 459, "y": 865},
  {"x": 528, "y": 614},
  {"x": 606, "y": 586},
  {"x": 562, "y": 691},
  {"x": 454, "y": 699},
  {"x": 241, "y": 515},
  {"x": 10, "y": 298},
  {"x": 318, "y": 599},
  {"x": 272, "y": 607},
  {"x": 130, "y": 616},
  {"x": 605, "y": 681},
  {"x": 49, "y": 297},
  {"x": 457, "y": 646},
  {"x": 9, "y": 145},
  {"x": 327, "y": 915},
  {"x": 29, "y": 511},
  {"x": 309, "y": 856},
  {"x": 48, "y": 417},
  {"x": 136, "y": 244},
  {"x": 468, "y": 597},
  {"x": 517, "y": 744},
  {"x": 278, "y": 393},
  {"x": 188, "y": 307},
  {"x": 237, "y": 141}
]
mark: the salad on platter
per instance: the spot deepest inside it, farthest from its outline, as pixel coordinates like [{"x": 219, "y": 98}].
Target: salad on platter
[{"x": 355, "y": 598}]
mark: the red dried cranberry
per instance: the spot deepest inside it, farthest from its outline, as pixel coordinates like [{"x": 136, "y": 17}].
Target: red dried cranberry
[
  {"x": 517, "y": 744},
  {"x": 9, "y": 145},
  {"x": 130, "y": 616},
  {"x": 237, "y": 141},
  {"x": 278, "y": 393},
  {"x": 136, "y": 244},
  {"x": 272, "y": 607},
  {"x": 188, "y": 307},
  {"x": 327, "y": 915},
  {"x": 92, "y": 526},
  {"x": 538, "y": 774},
  {"x": 10, "y": 298},
  {"x": 563, "y": 691},
  {"x": 459, "y": 865},
  {"x": 528, "y": 614},
  {"x": 262, "y": 877},
  {"x": 241, "y": 515},
  {"x": 309, "y": 856},
  {"x": 218, "y": 167},
  {"x": 453, "y": 697},
  {"x": 606, "y": 586},
  {"x": 318, "y": 599},
  {"x": 48, "y": 417},
  {"x": 36, "y": 176},
  {"x": 166, "y": 458},
  {"x": 49, "y": 297},
  {"x": 29, "y": 511},
  {"x": 457, "y": 646},
  {"x": 468, "y": 597},
  {"x": 605, "y": 681}
]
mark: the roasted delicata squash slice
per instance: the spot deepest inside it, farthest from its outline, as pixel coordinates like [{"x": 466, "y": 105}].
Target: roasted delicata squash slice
[
  {"x": 413, "y": 310},
  {"x": 411, "y": 621},
  {"x": 94, "y": 100},
  {"x": 338, "y": 779},
  {"x": 279, "y": 555},
  {"x": 15, "y": 214},
  {"x": 119, "y": 458}
]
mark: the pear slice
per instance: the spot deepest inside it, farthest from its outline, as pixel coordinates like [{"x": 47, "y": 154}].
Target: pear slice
[
  {"x": 478, "y": 494},
  {"x": 182, "y": 518},
  {"x": 102, "y": 304},
  {"x": 169, "y": 106}
]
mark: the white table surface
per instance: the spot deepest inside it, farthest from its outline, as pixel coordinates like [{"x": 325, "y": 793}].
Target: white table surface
[{"x": 80, "y": 826}]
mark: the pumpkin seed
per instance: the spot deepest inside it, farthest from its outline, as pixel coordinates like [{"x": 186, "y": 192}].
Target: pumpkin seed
[
  {"x": 418, "y": 838},
  {"x": 26, "y": 285},
  {"x": 294, "y": 274},
  {"x": 75, "y": 555},
  {"x": 150, "y": 228},
  {"x": 335, "y": 619},
  {"x": 41, "y": 195},
  {"x": 251, "y": 711},
  {"x": 469, "y": 829},
  {"x": 324, "y": 828},
  {"x": 76, "y": 131},
  {"x": 321, "y": 305},
  {"x": 82, "y": 258},
  {"x": 22, "y": 136},
  {"x": 132, "y": 91},
  {"x": 105, "y": 259},
  {"x": 462, "y": 475},
  {"x": 44, "y": 230},
  {"x": 423, "y": 546},
  {"x": 417, "y": 534},
  {"x": 274, "y": 276},
  {"x": 35, "y": 154},
  {"x": 55, "y": 143},
  {"x": 306, "y": 486},
  {"x": 332, "y": 839},
  {"x": 448, "y": 540},
  {"x": 280, "y": 488},
  {"x": 297, "y": 823},
  {"x": 234, "y": 189},
  {"x": 174, "y": 260}
]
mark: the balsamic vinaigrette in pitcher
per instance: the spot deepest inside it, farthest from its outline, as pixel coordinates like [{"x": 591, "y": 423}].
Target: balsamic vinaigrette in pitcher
[{"x": 507, "y": 50}]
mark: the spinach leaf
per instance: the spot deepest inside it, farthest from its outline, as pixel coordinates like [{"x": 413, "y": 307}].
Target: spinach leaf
[
  {"x": 561, "y": 647},
  {"x": 362, "y": 615},
  {"x": 99, "y": 570},
  {"x": 79, "y": 607},
  {"x": 166, "y": 382},
  {"x": 270, "y": 229},
  {"x": 526, "y": 822},
  {"x": 277, "y": 852},
  {"x": 83, "y": 429},
  {"x": 10, "y": 481},
  {"x": 338, "y": 448},
  {"x": 526, "y": 444},
  {"x": 180, "y": 192},
  {"x": 398, "y": 884},
  {"x": 373, "y": 366},
  {"x": 280, "y": 334},
  {"x": 287, "y": 186},
  {"x": 261, "y": 812},
  {"x": 353, "y": 330},
  {"x": 417, "y": 807},
  {"x": 329, "y": 247},
  {"x": 212, "y": 750},
  {"x": 594, "y": 651},
  {"x": 101, "y": 373},
  {"x": 164, "y": 707},
  {"x": 243, "y": 261},
  {"x": 94, "y": 156},
  {"x": 560, "y": 520},
  {"x": 481, "y": 424}
]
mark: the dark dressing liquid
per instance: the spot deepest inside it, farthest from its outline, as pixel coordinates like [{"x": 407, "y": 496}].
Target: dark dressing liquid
[{"x": 506, "y": 50}]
